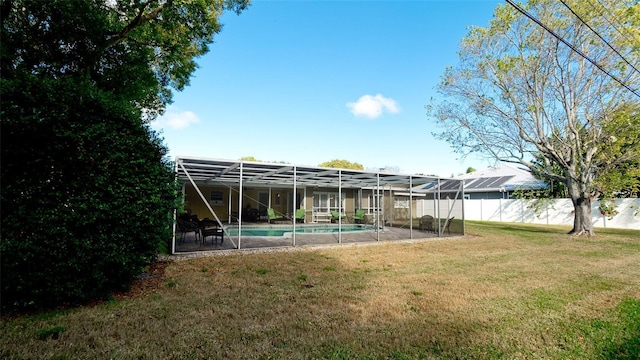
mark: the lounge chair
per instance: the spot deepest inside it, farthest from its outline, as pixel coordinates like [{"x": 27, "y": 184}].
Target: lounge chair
[
  {"x": 335, "y": 216},
  {"x": 358, "y": 217},
  {"x": 272, "y": 215},
  {"x": 300, "y": 215}
]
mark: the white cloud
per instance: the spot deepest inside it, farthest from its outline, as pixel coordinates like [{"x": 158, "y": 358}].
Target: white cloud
[
  {"x": 175, "y": 119},
  {"x": 373, "y": 106}
]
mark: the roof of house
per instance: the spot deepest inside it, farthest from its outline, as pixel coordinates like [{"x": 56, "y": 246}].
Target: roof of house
[{"x": 500, "y": 178}]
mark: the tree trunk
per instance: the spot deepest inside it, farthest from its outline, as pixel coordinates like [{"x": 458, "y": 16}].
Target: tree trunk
[
  {"x": 582, "y": 208},
  {"x": 581, "y": 199},
  {"x": 582, "y": 217}
]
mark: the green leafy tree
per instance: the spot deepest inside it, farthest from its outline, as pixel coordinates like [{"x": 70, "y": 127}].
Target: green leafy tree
[
  {"x": 249, "y": 158},
  {"x": 342, "y": 164},
  {"x": 617, "y": 170},
  {"x": 87, "y": 193},
  {"x": 470, "y": 170},
  {"x": 521, "y": 95}
]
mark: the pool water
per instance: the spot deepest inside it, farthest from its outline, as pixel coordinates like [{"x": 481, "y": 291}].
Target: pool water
[{"x": 280, "y": 230}]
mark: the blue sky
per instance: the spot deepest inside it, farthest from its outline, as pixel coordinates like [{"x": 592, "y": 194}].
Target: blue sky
[{"x": 306, "y": 82}]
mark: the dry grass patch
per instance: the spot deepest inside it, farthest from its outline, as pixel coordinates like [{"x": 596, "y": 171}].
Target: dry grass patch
[{"x": 508, "y": 291}]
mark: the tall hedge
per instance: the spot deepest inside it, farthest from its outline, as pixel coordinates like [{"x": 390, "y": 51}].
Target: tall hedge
[{"x": 87, "y": 193}]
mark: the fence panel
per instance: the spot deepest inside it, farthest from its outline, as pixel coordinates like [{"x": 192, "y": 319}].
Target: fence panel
[{"x": 558, "y": 212}]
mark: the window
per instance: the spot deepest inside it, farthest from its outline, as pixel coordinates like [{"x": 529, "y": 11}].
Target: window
[
  {"x": 215, "y": 198},
  {"x": 371, "y": 205},
  {"x": 401, "y": 203},
  {"x": 324, "y": 202}
]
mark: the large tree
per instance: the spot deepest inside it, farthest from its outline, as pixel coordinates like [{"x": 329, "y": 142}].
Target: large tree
[
  {"x": 525, "y": 89},
  {"x": 87, "y": 192}
]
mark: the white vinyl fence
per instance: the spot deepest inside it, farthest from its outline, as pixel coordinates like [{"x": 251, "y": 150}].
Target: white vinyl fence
[{"x": 559, "y": 212}]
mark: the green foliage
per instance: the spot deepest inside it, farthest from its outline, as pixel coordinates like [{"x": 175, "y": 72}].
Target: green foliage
[
  {"x": 538, "y": 199},
  {"x": 87, "y": 192},
  {"x": 341, "y": 164},
  {"x": 617, "y": 169},
  {"x": 86, "y": 201},
  {"x": 608, "y": 208}
]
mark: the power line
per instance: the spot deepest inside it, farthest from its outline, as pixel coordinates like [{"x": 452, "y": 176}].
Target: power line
[
  {"x": 598, "y": 35},
  {"x": 626, "y": 36},
  {"x": 576, "y": 50}
]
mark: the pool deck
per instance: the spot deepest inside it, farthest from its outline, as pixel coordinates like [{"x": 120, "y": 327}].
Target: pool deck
[{"x": 194, "y": 246}]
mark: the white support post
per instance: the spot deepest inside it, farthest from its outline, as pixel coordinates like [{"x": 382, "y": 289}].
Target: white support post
[
  {"x": 175, "y": 215},
  {"x": 339, "y": 206},
  {"x": 240, "y": 198},
  {"x": 410, "y": 207},
  {"x": 230, "y": 198},
  {"x": 377, "y": 208},
  {"x": 461, "y": 187},
  {"x": 439, "y": 198},
  {"x": 295, "y": 204}
]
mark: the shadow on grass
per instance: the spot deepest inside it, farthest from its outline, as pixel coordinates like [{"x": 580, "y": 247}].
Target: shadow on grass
[{"x": 626, "y": 345}]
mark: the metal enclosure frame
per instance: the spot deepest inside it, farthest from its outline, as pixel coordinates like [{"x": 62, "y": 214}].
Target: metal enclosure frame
[{"x": 238, "y": 174}]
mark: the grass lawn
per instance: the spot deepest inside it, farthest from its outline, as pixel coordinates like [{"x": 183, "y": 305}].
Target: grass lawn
[{"x": 509, "y": 291}]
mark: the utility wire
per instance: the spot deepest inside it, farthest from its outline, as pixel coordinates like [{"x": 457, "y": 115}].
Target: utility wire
[
  {"x": 525, "y": 13},
  {"x": 624, "y": 34},
  {"x": 601, "y": 38},
  {"x": 601, "y": 13}
]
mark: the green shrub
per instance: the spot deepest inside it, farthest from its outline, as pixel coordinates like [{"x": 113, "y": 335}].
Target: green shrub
[{"x": 87, "y": 193}]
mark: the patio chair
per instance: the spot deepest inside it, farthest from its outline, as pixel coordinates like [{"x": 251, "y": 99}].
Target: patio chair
[
  {"x": 335, "y": 216},
  {"x": 185, "y": 227},
  {"x": 426, "y": 223},
  {"x": 272, "y": 215},
  {"x": 300, "y": 215},
  {"x": 210, "y": 227},
  {"x": 358, "y": 217}
]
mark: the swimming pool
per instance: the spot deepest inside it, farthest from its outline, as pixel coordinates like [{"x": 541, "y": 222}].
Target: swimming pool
[{"x": 287, "y": 230}]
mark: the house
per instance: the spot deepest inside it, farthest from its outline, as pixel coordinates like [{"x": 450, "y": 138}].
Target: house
[{"x": 498, "y": 182}]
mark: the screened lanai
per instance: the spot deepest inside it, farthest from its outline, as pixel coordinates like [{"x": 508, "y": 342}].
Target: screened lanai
[{"x": 259, "y": 204}]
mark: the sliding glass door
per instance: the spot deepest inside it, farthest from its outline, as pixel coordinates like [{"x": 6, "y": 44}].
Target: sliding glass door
[{"x": 324, "y": 202}]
